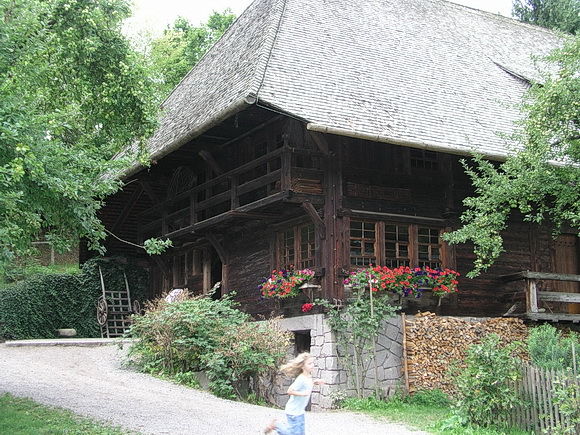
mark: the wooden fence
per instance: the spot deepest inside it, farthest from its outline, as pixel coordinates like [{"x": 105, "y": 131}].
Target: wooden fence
[{"x": 540, "y": 413}]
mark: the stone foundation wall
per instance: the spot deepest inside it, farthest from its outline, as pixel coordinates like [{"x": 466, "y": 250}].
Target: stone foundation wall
[{"x": 331, "y": 362}]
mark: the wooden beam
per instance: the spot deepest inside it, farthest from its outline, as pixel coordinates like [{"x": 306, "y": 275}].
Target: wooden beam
[
  {"x": 320, "y": 142},
  {"x": 218, "y": 247},
  {"x": 127, "y": 208},
  {"x": 574, "y": 318},
  {"x": 559, "y": 297},
  {"x": 531, "y": 296},
  {"x": 149, "y": 191},
  {"x": 215, "y": 167},
  {"x": 161, "y": 265},
  {"x": 526, "y": 274},
  {"x": 256, "y": 215},
  {"x": 318, "y": 222}
]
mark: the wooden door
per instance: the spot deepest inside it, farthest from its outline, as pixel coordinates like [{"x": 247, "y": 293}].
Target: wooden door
[{"x": 566, "y": 260}]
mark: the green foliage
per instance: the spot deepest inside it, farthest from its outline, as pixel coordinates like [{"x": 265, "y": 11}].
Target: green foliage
[
  {"x": 434, "y": 398},
  {"x": 529, "y": 182},
  {"x": 181, "y": 47},
  {"x": 19, "y": 271},
  {"x": 74, "y": 94},
  {"x": 155, "y": 246},
  {"x": 36, "y": 307},
  {"x": 356, "y": 326},
  {"x": 19, "y": 416},
  {"x": 563, "y": 15},
  {"x": 484, "y": 387},
  {"x": 409, "y": 410},
  {"x": 202, "y": 334},
  {"x": 566, "y": 394},
  {"x": 549, "y": 349}
]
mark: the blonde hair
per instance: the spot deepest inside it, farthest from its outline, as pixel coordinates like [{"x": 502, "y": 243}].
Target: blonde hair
[{"x": 295, "y": 366}]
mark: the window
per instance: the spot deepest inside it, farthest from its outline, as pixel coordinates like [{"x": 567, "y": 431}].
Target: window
[
  {"x": 394, "y": 245},
  {"x": 424, "y": 159},
  {"x": 297, "y": 247},
  {"x": 307, "y": 246},
  {"x": 429, "y": 247},
  {"x": 362, "y": 243},
  {"x": 397, "y": 246}
]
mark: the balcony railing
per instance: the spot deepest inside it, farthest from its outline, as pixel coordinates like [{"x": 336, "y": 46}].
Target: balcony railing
[
  {"x": 534, "y": 297},
  {"x": 248, "y": 187}
]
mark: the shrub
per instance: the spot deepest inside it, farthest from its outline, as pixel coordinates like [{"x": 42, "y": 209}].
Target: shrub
[
  {"x": 566, "y": 393},
  {"x": 485, "y": 393},
  {"x": 202, "y": 334},
  {"x": 39, "y": 305},
  {"x": 549, "y": 349}
]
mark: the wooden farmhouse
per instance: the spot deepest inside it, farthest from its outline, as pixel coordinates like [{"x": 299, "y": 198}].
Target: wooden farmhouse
[{"x": 328, "y": 134}]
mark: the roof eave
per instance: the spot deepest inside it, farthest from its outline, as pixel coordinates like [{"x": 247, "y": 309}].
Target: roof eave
[
  {"x": 237, "y": 106},
  {"x": 402, "y": 142}
]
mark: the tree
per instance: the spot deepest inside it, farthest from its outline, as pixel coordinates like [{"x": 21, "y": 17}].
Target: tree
[
  {"x": 540, "y": 180},
  {"x": 182, "y": 45},
  {"x": 73, "y": 94},
  {"x": 563, "y": 15}
]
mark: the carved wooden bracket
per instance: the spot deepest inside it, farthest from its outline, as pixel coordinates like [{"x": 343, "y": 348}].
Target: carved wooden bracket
[
  {"x": 318, "y": 222},
  {"x": 321, "y": 142},
  {"x": 208, "y": 158},
  {"x": 218, "y": 247},
  {"x": 164, "y": 269}
]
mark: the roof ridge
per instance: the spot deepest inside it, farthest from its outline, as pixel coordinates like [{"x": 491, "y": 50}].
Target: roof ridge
[
  {"x": 513, "y": 20},
  {"x": 268, "y": 49}
]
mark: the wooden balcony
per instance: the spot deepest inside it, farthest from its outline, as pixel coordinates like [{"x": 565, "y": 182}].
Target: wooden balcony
[
  {"x": 241, "y": 193},
  {"x": 537, "y": 302}
]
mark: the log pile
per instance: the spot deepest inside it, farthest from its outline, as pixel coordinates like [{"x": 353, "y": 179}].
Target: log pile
[
  {"x": 304, "y": 185},
  {"x": 434, "y": 343}
]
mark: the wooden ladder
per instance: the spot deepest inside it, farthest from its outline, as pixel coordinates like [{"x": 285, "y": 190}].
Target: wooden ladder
[{"x": 119, "y": 309}]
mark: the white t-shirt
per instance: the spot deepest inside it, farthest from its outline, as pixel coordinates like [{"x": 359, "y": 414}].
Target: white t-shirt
[{"x": 297, "y": 404}]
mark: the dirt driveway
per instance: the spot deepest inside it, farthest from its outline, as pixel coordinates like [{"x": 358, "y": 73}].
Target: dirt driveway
[{"x": 91, "y": 381}]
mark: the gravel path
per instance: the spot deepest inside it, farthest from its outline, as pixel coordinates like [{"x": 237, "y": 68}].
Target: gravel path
[{"x": 91, "y": 381}]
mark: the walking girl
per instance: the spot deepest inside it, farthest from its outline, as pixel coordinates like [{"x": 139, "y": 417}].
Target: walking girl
[{"x": 300, "y": 367}]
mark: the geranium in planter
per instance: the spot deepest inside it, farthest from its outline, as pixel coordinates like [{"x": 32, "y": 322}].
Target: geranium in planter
[
  {"x": 285, "y": 283},
  {"x": 404, "y": 280}
]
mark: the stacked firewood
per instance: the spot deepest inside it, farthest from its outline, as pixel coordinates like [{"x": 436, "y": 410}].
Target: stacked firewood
[
  {"x": 304, "y": 185},
  {"x": 434, "y": 344}
]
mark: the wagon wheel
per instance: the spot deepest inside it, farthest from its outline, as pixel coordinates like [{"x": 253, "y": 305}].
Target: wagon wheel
[
  {"x": 102, "y": 311},
  {"x": 136, "y": 307}
]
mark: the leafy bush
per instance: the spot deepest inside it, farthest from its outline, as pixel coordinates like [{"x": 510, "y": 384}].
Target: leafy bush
[
  {"x": 484, "y": 386},
  {"x": 566, "y": 393},
  {"x": 202, "y": 334},
  {"x": 39, "y": 305},
  {"x": 549, "y": 349}
]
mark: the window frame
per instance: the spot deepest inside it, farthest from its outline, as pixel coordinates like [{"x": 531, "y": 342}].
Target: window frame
[
  {"x": 297, "y": 246},
  {"x": 413, "y": 243}
]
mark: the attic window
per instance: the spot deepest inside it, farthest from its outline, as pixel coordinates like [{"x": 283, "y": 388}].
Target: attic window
[{"x": 424, "y": 159}]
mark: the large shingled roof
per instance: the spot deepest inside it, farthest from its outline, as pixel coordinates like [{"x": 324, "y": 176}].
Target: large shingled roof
[{"x": 422, "y": 73}]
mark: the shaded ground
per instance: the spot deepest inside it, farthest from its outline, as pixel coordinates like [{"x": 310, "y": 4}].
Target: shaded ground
[{"x": 91, "y": 382}]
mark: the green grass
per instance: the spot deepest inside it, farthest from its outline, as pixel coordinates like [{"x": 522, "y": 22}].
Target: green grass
[
  {"x": 24, "y": 417},
  {"x": 15, "y": 272},
  {"x": 429, "y": 411}
]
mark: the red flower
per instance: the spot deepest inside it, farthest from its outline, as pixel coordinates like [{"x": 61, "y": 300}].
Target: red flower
[{"x": 307, "y": 307}]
